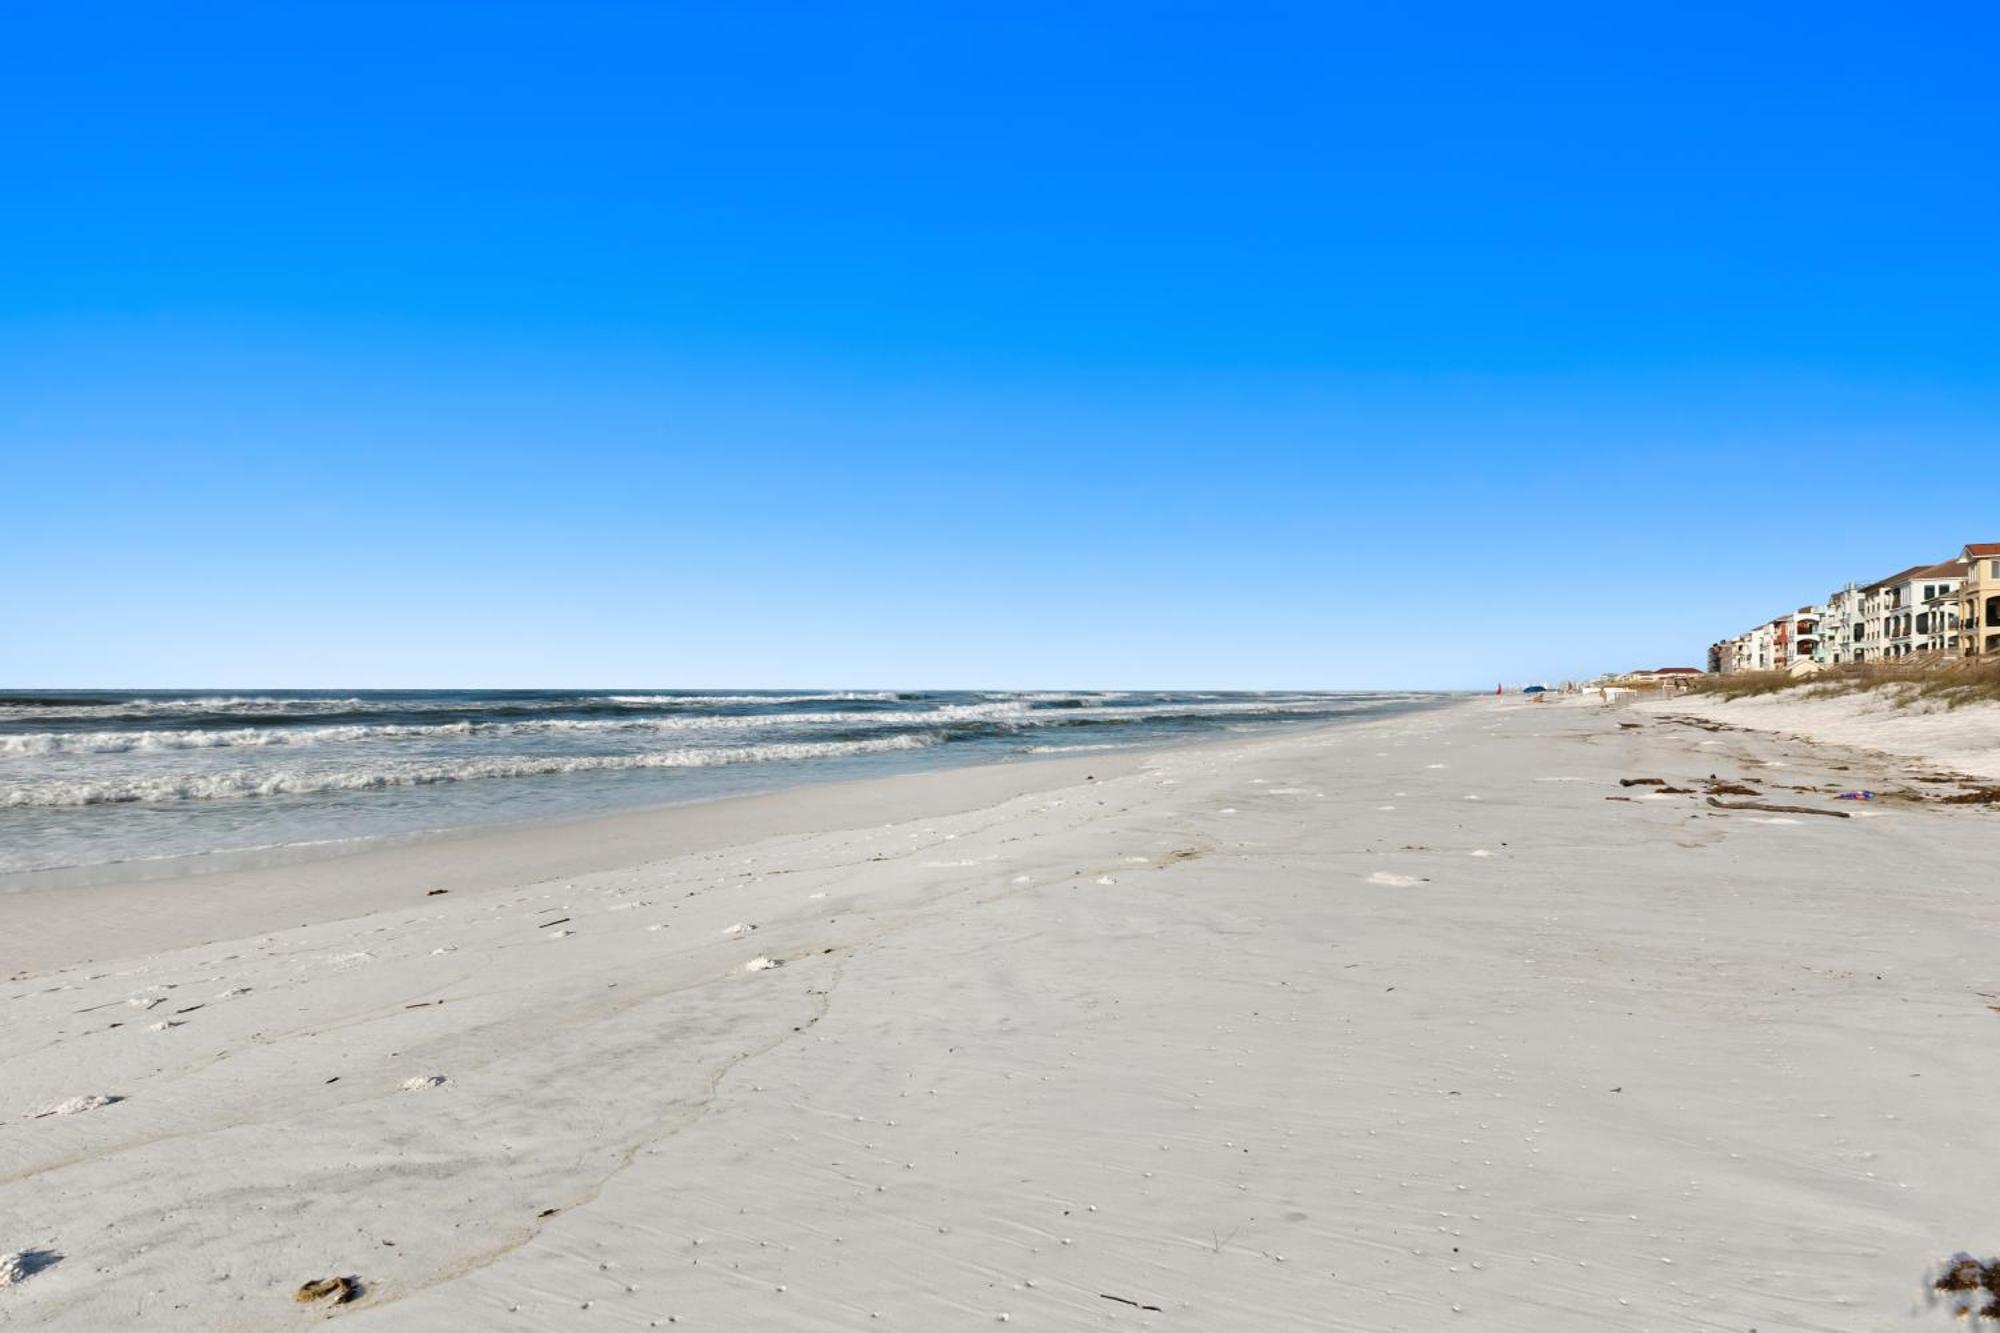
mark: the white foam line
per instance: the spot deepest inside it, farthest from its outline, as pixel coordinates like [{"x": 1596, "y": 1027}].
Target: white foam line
[{"x": 257, "y": 782}]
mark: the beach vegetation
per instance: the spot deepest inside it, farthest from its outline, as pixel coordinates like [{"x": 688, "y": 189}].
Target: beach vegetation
[{"x": 1933, "y": 683}]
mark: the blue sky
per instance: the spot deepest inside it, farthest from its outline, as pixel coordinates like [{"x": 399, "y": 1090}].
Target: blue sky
[{"x": 742, "y": 344}]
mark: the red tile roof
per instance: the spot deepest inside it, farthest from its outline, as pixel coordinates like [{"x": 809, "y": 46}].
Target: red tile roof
[{"x": 1983, "y": 548}]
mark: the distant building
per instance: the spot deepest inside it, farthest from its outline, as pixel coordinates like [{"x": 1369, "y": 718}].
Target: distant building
[
  {"x": 1906, "y": 614},
  {"x": 1883, "y": 605},
  {"x": 1802, "y": 629},
  {"x": 1934, "y": 610},
  {"x": 1763, "y": 652},
  {"x": 1979, "y": 601},
  {"x": 1933, "y": 623},
  {"x": 1840, "y": 627}
]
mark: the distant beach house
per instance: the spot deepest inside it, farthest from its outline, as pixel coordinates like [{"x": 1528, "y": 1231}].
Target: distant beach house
[
  {"x": 1904, "y": 624},
  {"x": 1840, "y": 627},
  {"x": 1979, "y": 600}
]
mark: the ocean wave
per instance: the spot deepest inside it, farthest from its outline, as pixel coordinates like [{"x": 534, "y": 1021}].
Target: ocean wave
[
  {"x": 129, "y": 742},
  {"x": 238, "y": 783},
  {"x": 278, "y": 707},
  {"x": 194, "y": 705},
  {"x": 713, "y": 700},
  {"x": 1024, "y": 712},
  {"x": 139, "y": 742}
]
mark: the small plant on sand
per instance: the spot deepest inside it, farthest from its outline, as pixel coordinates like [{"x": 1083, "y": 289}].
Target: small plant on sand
[{"x": 1968, "y": 1282}]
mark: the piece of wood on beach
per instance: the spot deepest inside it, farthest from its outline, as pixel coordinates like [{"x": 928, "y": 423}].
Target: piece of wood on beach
[
  {"x": 1776, "y": 809},
  {"x": 342, "y": 1289}
]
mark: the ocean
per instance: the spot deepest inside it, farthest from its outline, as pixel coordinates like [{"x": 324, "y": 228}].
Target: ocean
[{"x": 91, "y": 778}]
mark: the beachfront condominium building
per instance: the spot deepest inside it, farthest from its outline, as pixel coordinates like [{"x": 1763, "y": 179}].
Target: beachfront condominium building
[
  {"x": 1947, "y": 609},
  {"x": 1979, "y": 601},
  {"x": 1905, "y": 620},
  {"x": 1840, "y": 628},
  {"x": 1731, "y": 656},
  {"x": 1881, "y": 610},
  {"x": 1764, "y": 646},
  {"x": 1934, "y": 623},
  {"x": 1746, "y": 650},
  {"x": 1803, "y": 628}
]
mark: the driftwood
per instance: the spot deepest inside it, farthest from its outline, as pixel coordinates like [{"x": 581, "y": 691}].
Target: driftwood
[
  {"x": 1776, "y": 809},
  {"x": 342, "y": 1289}
]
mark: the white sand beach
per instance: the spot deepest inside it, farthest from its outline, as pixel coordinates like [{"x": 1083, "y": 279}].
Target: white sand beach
[
  {"x": 1965, "y": 740},
  {"x": 1414, "y": 1024}
]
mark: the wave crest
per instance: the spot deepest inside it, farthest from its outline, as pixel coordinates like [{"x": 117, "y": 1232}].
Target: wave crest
[{"x": 237, "y": 783}]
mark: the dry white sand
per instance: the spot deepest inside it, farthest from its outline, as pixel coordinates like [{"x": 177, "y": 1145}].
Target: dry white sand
[
  {"x": 1281, "y": 1034},
  {"x": 1965, "y": 740}
]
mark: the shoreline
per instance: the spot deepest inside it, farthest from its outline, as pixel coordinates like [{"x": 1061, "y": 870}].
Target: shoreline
[
  {"x": 157, "y": 910},
  {"x": 123, "y": 788},
  {"x": 1420, "y": 1019},
  {"x": 271, "y": 856},
  {"x": 154, "y": 895}
]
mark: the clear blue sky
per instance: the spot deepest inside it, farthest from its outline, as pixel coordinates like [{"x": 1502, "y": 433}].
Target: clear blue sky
[{"x": 756, "y": 344}]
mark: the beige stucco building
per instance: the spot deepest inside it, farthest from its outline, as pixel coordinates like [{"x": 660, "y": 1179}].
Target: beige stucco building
[{"x": 1979, "y": 601}]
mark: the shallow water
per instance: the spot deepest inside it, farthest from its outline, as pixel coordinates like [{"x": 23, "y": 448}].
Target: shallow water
[{"x": 90, "y": 777}]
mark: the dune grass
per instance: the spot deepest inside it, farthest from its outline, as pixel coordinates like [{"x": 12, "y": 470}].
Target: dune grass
[{"x": 1947, "y": 682}]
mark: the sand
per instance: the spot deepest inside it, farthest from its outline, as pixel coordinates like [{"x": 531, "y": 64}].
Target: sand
[
  {"x": 1962, "y": 740},
  {"x": 1202, "y": 1040}
]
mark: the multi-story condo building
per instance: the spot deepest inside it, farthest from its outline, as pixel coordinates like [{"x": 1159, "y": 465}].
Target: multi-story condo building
[
  {"x": 1979, "y": 601},
  {"x": 1732, "y": 655},
  {"x": 1882, "y": 607},
  {"x": 1934, "y": 626},
  {"x": 1906, "y": 622},
  {"x": 1763, "y": 647},
  {"x": 1775, "y": 645},
  {"x": 1946, "y": 609},
  {"x": 1840, "y": 628},
  {"x": 1803, "y": 629}
]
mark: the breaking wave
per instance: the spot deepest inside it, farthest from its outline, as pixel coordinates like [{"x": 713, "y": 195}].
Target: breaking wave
[
  {"x": 278, "y": 782},
  {"x": 684, "y": 700},
  {"x": 223, "y": 738},
  {"x": 1031, "y": 712}
]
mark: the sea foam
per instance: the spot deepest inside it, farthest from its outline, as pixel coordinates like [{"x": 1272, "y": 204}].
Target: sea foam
[{"x": 282, "y": 782}]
